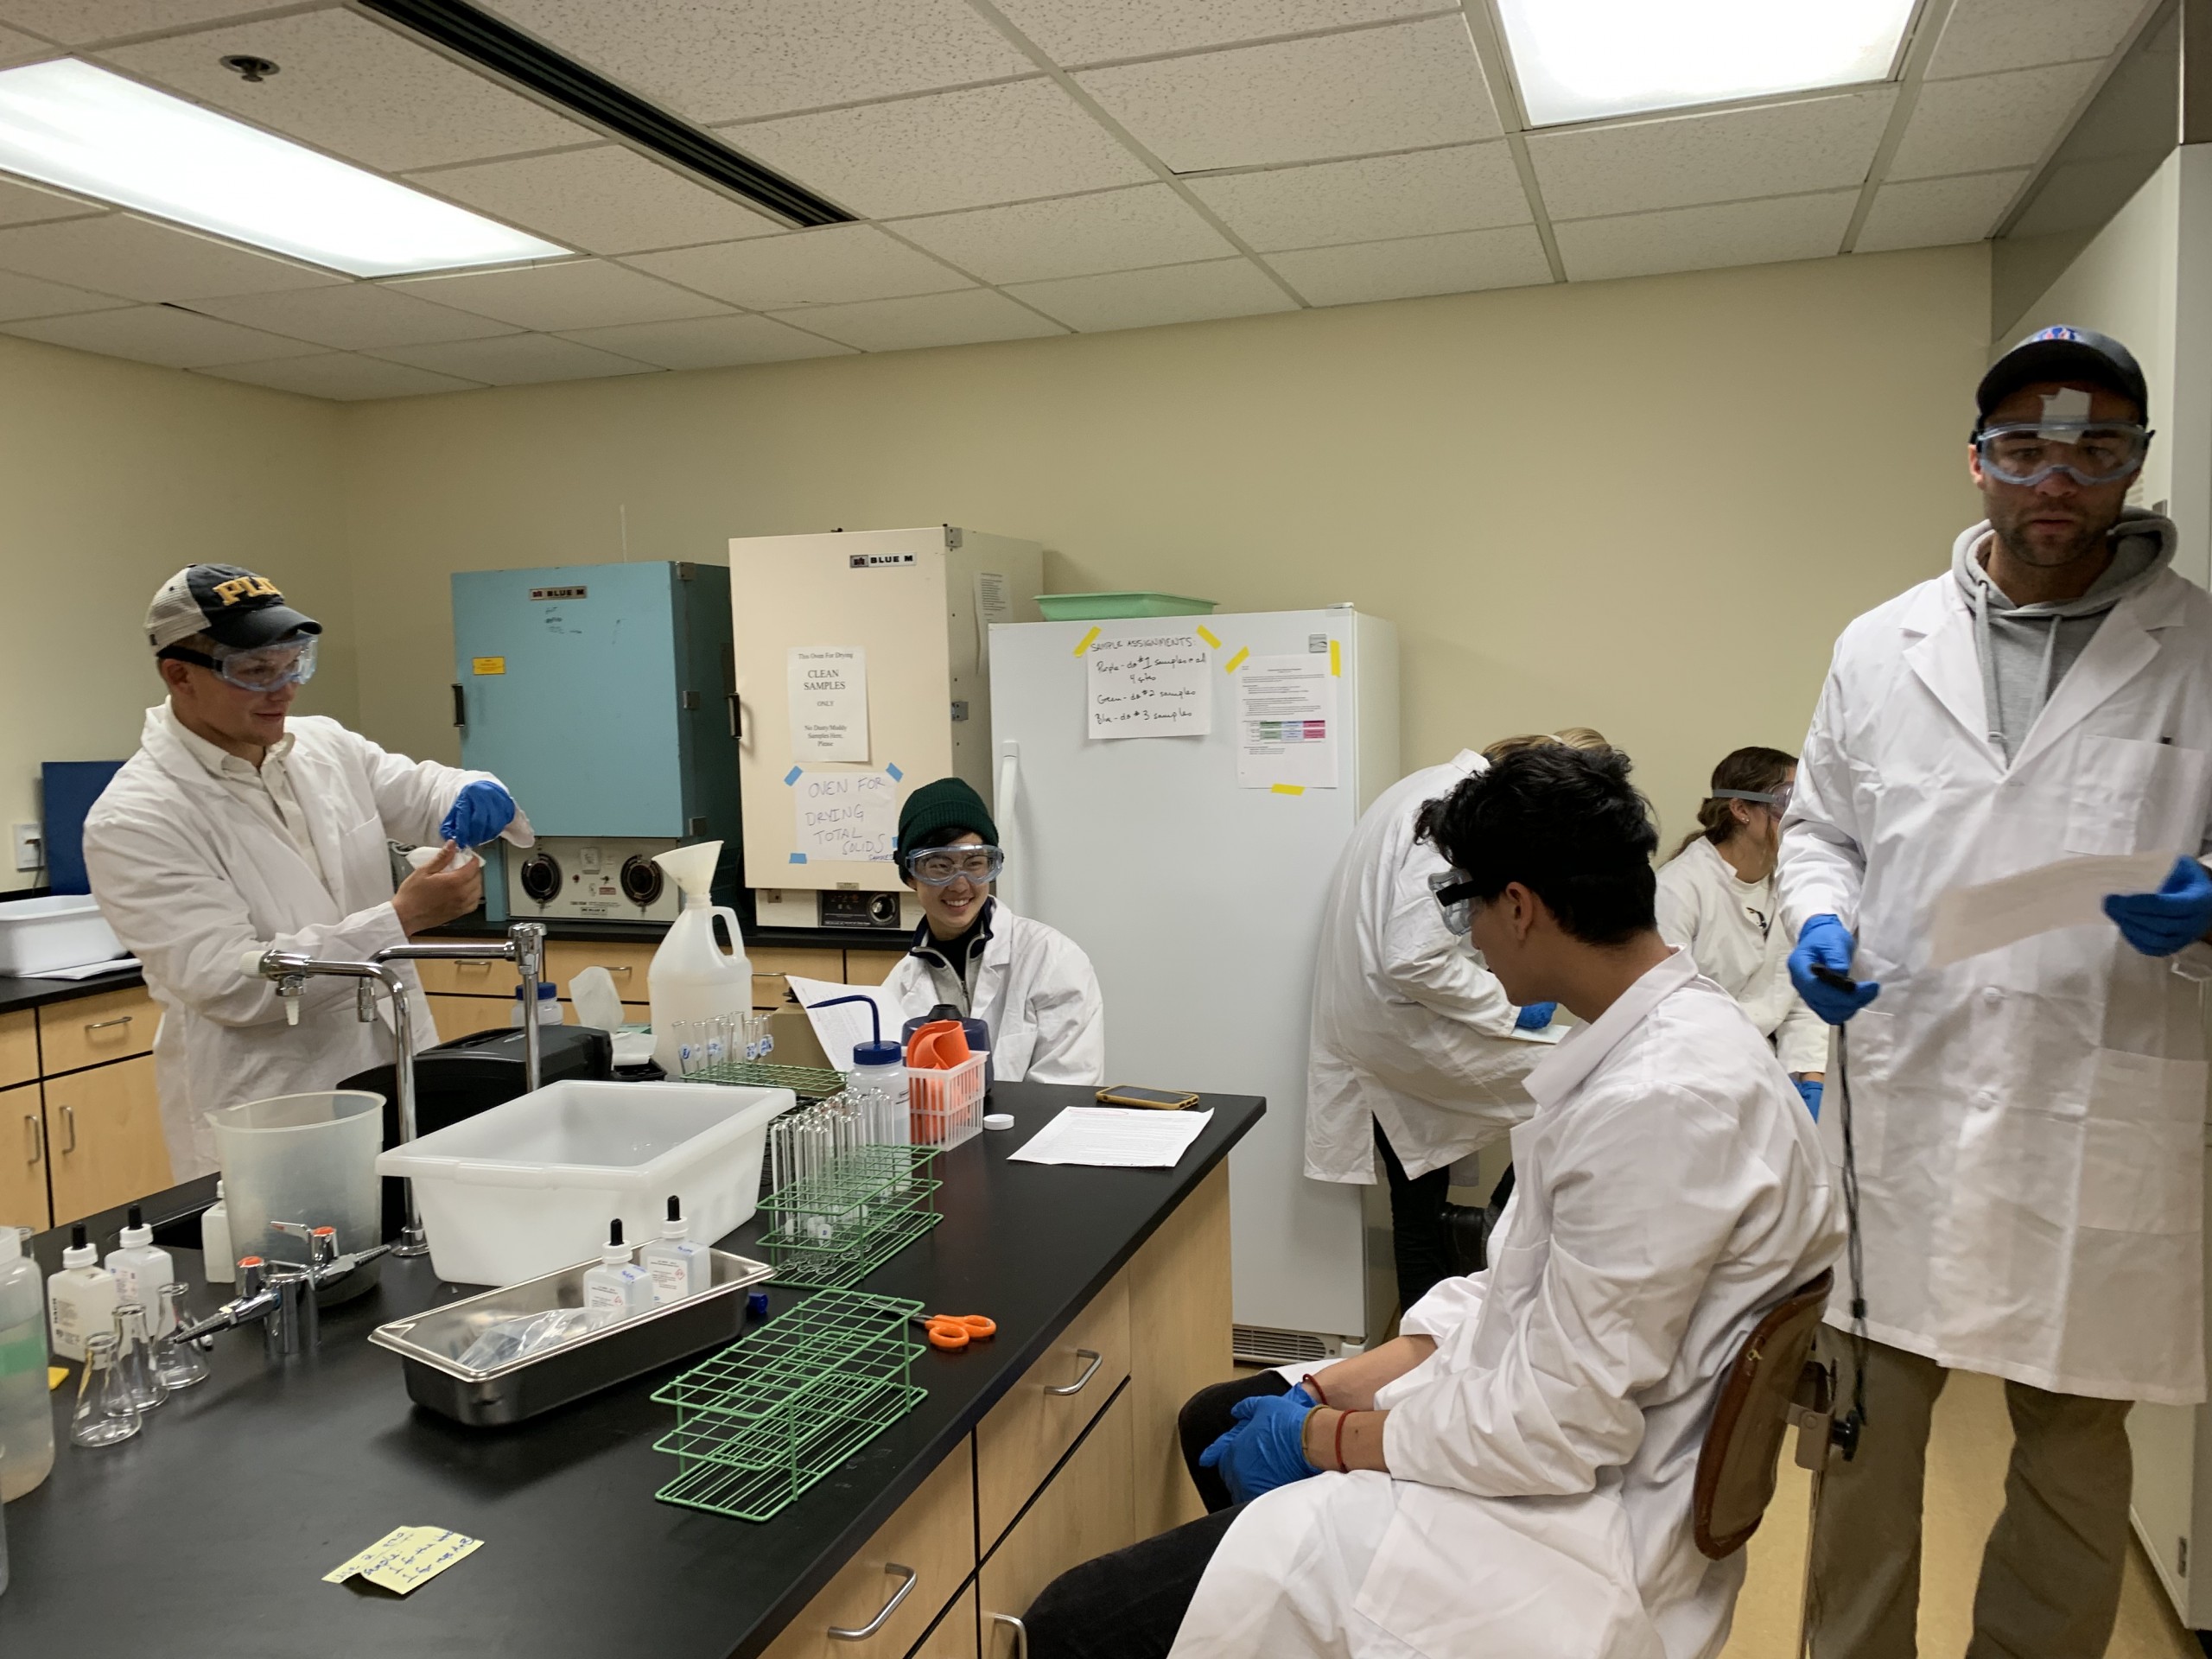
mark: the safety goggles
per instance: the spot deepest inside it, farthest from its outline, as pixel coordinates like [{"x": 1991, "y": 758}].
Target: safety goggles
[
  {"x": 2088, "y": 451},
  {"x": 940, "y": 866},
  {"x": 264, "y": 668},
  {"x": 1455, "y": 897},
  {"x": 1777, "y": 797}
]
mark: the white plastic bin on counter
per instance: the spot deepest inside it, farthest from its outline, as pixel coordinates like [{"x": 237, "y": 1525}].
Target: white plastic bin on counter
[
  {"x": 528, "y": 1188},
  {"x": 61, "y": 930}
]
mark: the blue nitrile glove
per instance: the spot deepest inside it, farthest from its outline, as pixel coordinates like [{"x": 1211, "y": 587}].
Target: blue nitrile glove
[
  {"x": 1826, "y": 942},
  {"x": 2159, "y": 924},
  {"x": 1266, "y": 1449},
  {"x": 1810, "y": 1091},
  {"x": 479, "y": 812},
  {"x": 1535, "y": 1016}
]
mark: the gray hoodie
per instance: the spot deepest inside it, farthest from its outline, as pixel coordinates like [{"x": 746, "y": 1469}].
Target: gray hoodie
[{"x": 2026, "y": 650}]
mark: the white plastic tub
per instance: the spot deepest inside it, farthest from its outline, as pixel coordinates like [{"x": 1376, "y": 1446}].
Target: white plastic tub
[
  {"x": 528, "y": 1188},
  {"x": 61, "y": 931}
]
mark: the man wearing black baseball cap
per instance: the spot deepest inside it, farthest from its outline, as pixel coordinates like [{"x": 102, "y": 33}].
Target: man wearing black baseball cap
[
  {"x": 236, "y": 827},
  {"x": 2026, "y": 1122}
]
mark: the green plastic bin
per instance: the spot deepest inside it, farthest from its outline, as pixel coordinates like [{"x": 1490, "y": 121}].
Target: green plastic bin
[{"x": 1102, "y": 607}]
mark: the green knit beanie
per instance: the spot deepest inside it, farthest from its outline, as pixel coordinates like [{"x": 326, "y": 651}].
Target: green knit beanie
[{"x": 942, "y": 806}]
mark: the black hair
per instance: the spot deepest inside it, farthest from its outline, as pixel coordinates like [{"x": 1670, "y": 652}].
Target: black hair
[
  {"x": 943, "y": 835},
  {"x": 1564, "y": 822}
]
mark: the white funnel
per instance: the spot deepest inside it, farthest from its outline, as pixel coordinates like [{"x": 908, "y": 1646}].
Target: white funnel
[{"x": 693, "y": 870}]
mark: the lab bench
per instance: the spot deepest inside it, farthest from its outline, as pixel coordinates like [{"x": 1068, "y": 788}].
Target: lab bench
[{"x": 1047, "y": 1444}]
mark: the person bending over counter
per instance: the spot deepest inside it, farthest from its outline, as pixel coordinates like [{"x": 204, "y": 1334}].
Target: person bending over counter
[
  {"x": 1513, "y": 1475},
  {"x": 1030, "y": 983}
]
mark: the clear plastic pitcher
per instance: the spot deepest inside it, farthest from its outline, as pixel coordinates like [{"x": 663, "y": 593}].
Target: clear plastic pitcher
[{"x": 308, "y": 1159}]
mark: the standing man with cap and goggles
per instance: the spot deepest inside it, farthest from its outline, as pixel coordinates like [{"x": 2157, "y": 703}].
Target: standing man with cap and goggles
[
  {"x": 2028, "y": 1124},
  {"x": 1028, "y": 983},
  {"x": 235, "y": 829}
]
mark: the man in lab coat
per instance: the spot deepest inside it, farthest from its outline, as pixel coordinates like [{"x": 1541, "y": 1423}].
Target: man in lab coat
[
  {"x": 2027, "y": 1123},
  {"x": 235, "y": 829},
  {"x": 1512, "y": 1477}
]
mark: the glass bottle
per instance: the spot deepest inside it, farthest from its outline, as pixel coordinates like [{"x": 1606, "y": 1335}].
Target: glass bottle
[
  {"x": 178, "y": 1365},
  {"x": 105, "y": 1413}
]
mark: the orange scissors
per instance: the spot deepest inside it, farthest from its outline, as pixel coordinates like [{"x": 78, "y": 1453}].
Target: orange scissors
[{"x": 953, "y": 1332}]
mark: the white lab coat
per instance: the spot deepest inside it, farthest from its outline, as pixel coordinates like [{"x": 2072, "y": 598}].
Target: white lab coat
[
  {"x": 1670, "y": 1192},
  {"x": 2029, "y": 1123},
  {"x": 189, "y": 876},
  {"x": 1729, "y": 925},
  {"x": 1037, "y": 991},
  {"x": 1410, "y": 1029}
]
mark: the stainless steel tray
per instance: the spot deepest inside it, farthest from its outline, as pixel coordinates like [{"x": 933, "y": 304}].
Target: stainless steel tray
[{"x": 430, "y": 1343}]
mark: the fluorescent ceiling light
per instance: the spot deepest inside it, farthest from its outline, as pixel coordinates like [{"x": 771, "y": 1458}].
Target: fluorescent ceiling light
[
  {"x": 67, "y": 124},
  {"x": 1582, "y": 60}
]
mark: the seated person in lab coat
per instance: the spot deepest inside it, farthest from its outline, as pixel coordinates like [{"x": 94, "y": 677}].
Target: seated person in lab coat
[
  {"x": 1512, "y": 1476},
  {"x": 235, "y": 829},
  {"x": 1028, "y": 983},
  {"x": 1717, "y": 899}
]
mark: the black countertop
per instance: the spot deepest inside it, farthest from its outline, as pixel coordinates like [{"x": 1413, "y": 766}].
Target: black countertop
[
  {"x": 17, "y": 993},
  {"x": 226, "y": 1511}
]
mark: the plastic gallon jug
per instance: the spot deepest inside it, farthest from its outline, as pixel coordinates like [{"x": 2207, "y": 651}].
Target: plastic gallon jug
[
  {"x": 692, "y": 977},
  {"x": 26, "y": 1418}
]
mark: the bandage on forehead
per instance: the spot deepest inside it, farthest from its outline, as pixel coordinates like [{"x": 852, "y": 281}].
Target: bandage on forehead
[{"x": 2064, "y": 413}]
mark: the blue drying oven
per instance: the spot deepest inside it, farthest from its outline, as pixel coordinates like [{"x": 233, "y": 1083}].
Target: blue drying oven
[{"x": 604, "y": 696}]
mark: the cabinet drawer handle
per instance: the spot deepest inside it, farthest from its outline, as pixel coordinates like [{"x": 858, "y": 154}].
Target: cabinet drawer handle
[
  {"x": 838, "y": 1633},
  {"x": 473, "y": 967},
  {"x": 624, "y": 971},
  {"x": 1089, "y": 1371},
  {"x": 102, "y": 1025},
  {"x": 34, "y": 1133},
  {"x": 1020, "y": 1633},
  {"x": 69, "y": 1123}
]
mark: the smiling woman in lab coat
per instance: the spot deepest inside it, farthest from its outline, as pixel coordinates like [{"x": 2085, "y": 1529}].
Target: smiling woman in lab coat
[{"x": 1512, "y": 1477}]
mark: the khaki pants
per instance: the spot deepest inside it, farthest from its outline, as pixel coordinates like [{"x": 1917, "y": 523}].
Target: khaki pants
[{"x": 2050, "y": 1573}]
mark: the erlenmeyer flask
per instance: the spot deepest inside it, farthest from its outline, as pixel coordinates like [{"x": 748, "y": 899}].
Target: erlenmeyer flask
[
  {"x": 105, "y": 1413},
  {"x": 134, "y": 1357},
  {"x": 178, "y": 1365}
]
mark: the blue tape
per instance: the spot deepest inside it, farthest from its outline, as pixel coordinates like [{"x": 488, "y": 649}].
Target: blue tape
[
  {"x": 895, "y": 773},
  {"x": 794, "y": 774},
  {"x": 799, "y": 858}
]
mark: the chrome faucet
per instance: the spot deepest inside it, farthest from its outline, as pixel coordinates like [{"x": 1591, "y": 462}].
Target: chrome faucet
[{"x": 281, "y": 1295}]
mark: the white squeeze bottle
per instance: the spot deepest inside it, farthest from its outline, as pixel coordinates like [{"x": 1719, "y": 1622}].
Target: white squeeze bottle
[
  {"x": 614, "y": 1287},
  {"x": 221, "y": 1266},
  {"x": 80, "y": 1298},
  {"x": 26, "y": 1419},
  {"x": 679, "y": 1267},
  {"x": 692, "y": 977},
  {"x": 141, "y": 1267}
]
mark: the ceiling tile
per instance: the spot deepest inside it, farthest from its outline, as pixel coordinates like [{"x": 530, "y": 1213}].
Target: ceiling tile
[
  {"x": 712, "y": 61},
  {"x": 1982, "y": 37},
  {"x": 120, "y": 253},
  {"x": 1819, "y": 144},
  {"x": 1086, "y": 31},
  {"x": 606, "y": 200},
  {"x": 709, "y": 342},
  {"x": 1932, "y": 212},
  {"x": 946, "y": 150},
  {"x": 73, "y": 22},
  {"x": 1459, "y": 262},
  {"x": 355, "y": 88},
  {"x": 1401, "y": 87},
  {"x": 825, "y": 266},
  {"x": 1114, "y": 230},
  {"x": 341, "y": 375},
  {"x": 360, "y": 316},
  {"x": 962, "y": 318},
  {"x": 580, "y": 294},
  {"x": 516, "y": 360},
  {"x": 23, "y": 203},
  {"x": 17, "y": 47},
  {"x": 1143, "y": 299},
  {"x": 26, "y": 297},
  {"x": 1989, "y": 121},
  {"x": 1465, "y": 188},
  {"x": 159, "y": 334},
  {"x": 1706, "y": 239}
]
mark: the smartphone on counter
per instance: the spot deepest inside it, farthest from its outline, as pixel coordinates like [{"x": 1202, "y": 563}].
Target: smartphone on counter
[{"x": 1165, "y": 1100}]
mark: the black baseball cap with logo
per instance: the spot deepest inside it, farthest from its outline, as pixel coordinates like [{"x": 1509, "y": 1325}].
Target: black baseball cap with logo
[
  {"x": 230, "y": 605},
  {"x": 2074, "y": 356}
]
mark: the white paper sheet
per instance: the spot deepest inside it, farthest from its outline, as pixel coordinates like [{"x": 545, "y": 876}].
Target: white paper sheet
[
  {"x": 845, "y": 815},
  {"x": 1115, "y": 1137},
  {"x": 2070, "y": 893},
  {"x": 993, "y": 604},
  {"x": 88, "y": 971},
  {"x": 845, "y": 1027},
  {"x": 1149, "y": 685},
  {"x": 827, "y": 686},
  {"x": 1286, "y": 723}
]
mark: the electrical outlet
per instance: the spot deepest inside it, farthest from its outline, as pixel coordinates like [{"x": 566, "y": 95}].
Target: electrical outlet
[{"x": 29, "y": 846}]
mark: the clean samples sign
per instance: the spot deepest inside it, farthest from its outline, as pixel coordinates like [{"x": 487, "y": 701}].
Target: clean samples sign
[
  {"x": 1151, "y": 685},
  {"x": 848, "y": 817},
  {"x": 829, "y": 704}
]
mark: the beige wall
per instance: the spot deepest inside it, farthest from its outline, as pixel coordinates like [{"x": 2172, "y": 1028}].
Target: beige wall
[
  {"x": 1645, "y": 505},
  {"x": 112, "y": 475}
]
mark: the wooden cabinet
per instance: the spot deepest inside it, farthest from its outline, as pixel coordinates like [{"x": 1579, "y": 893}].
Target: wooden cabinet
[
  {"x": 103, "y": 1138},
  {"x": 1087, "y": 1510},
  {"x": 929, "y": 1544},
  {"x": 22, "y": 1159},
  {"x": 955, "y": 1634},
  {"x": 92, "y": 1030},
  {"x": 873, "y": 967},
  {"x": 18, "y": 1048},
  {"x": 487, "y": 976},
  {"x": 626, "y": 963},
  {"x": 808, "y": 961},
  {"x": 457, "y": 1016},
  {"x": 1179, "y": 1343},
  {"x": 1031, "y": 1428}
]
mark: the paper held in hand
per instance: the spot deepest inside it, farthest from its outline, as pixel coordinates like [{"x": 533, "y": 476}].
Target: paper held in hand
[{"x": 1968, "y": 921}]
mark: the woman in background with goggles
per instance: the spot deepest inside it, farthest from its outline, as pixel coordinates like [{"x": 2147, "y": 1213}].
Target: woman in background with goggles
[{"x": 1029, "y": 983}]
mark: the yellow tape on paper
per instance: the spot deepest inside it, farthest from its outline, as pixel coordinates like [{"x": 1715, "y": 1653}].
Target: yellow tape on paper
[
  {"x": 1206, "y": 634},
  {"x": 1235, "y": 662},
  {"x": 1288, "y": 789},
  {"x": 1083, "y": 644},
  {"x": 1336, "y": 660},
  {"x": 489, "y": 664}
]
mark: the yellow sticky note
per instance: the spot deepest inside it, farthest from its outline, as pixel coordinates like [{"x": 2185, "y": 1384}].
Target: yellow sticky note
[
  {"x": 1336, "y": 660},
  {"x": 1289, "y": 789},
  {"x": 489, "y": 664},
  {"x": 1235, "y": 662},
  {"x": 56, "y": 1376},
  {"x": 1083, "y": 644},
  {"x": 1206, "y": 634},
  {"x": 406, "y": 1558}
]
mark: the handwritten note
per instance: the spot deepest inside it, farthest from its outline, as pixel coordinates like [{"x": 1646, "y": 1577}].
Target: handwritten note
[
  {"x": 406, "y": 1558},
  {"x": 1150, "y": 685},
  {"x": 827, "y": 686},
  {"x": 846, "y": 816}
]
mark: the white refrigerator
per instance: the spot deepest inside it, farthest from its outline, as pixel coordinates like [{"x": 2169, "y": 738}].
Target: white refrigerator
[{"x": 1191, "y": 861}]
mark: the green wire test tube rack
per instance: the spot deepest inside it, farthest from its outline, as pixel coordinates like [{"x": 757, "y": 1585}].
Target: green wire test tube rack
[
  {"x": 860, "y": 1209},
  {"x": 808, "y": 1083}
]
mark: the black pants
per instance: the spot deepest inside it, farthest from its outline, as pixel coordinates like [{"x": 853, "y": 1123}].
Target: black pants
[
  {"x": 1129, "y": 1604},
  {"x": 1421, "y": 1244}
]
